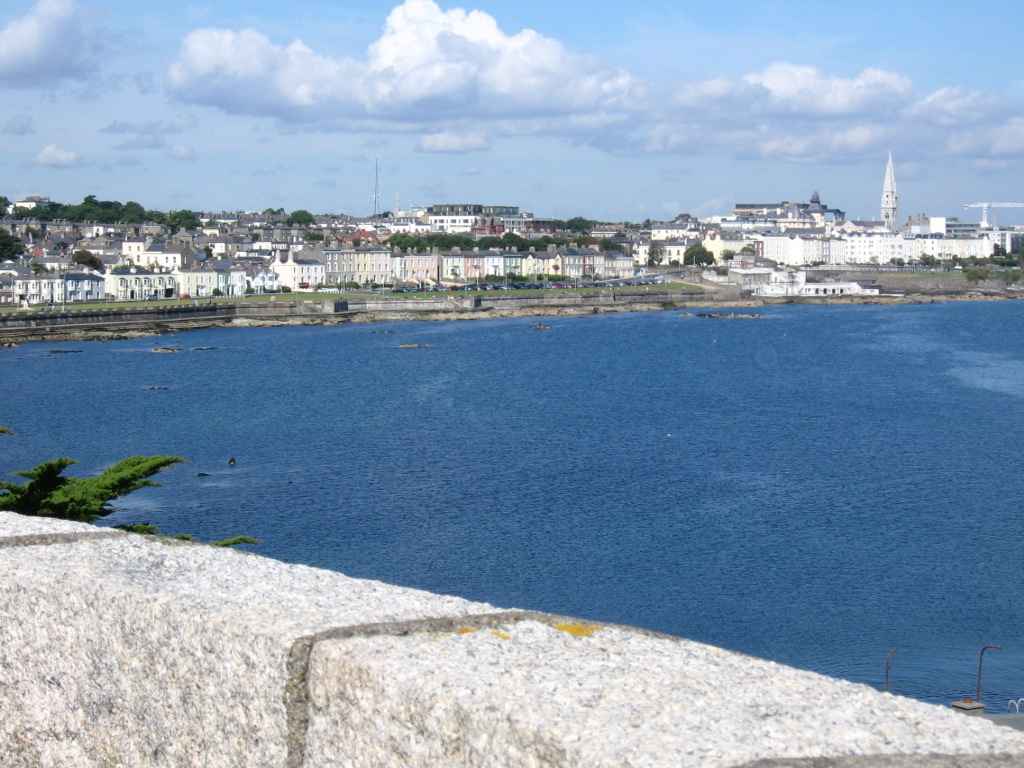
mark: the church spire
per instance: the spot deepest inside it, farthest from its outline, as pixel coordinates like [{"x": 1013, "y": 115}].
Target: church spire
[{"x": 890, "y": 199}]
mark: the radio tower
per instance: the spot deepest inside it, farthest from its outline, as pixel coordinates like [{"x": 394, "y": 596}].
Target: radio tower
[{"x": 376, "y": 188}]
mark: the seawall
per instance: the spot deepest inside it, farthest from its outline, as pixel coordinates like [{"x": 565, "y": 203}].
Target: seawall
[
  {"x": 86, "y": 324},
  {"x": 120, "y": 650}
]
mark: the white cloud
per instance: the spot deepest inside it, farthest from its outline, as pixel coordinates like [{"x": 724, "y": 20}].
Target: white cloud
[
  {"x": 454, "y": 142},
  {"x": 1008, "y": 138},
  {"x": 52, "y": 42},
  {"x": 807, "y": 90},
  {"x": 783, "y": 88},
  {"x": 953, "y": 106},
  {"x": 452, "y": 80},
  {"x": 1003, "y": 140},
  {"x": 428, "y": 69},
  {"x": 52, "y": 156},
  {"x": 823, "y": 144}
]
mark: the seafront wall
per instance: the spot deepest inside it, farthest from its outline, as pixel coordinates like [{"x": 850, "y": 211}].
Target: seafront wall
[
  {"x": 62, "y": 324},
  {"x": 120, "y": 650}
]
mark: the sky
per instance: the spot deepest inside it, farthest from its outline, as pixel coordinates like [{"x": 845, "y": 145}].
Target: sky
[{"x": 608, "y": 110}]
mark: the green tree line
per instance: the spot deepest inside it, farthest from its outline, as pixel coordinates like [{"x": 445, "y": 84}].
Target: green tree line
[{"x": 107, "y": 212}]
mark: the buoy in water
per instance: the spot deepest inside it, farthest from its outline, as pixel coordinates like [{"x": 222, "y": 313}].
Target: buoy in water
[{"x": 232, "y": 462}]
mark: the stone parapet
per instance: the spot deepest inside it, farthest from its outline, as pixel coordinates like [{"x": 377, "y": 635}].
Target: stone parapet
[{"x": 120, "y": 650}]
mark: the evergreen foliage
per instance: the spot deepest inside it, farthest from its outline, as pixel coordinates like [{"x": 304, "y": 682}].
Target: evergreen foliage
[
  {"x": 301, "y": 217},
  {"x": 11, "y": 248},
  {"x": 87, "y": 259},
  {"x": 148, "y": 529},
  {"x": 48, "y": 493}
]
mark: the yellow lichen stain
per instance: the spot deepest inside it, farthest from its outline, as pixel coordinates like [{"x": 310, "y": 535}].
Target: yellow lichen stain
[
  {"x": 577, "y": 629},
  {"x": 465, "y": 630},
  {"x": 501, "y": 634}
]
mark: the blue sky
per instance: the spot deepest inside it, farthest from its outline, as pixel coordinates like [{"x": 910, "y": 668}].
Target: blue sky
[{"x": 610, "y": 110}]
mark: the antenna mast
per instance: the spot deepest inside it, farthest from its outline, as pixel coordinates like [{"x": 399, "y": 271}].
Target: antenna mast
[{"x": 376, "y": 188}]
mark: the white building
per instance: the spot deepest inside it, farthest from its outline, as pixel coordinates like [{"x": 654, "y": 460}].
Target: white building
[
  {"x": 157, "y": 257},
  {"x": 214, "y": 278},
  {"x": 675, "y": 232},
  {"x": 138, "y": 284},
  {"x": 461, "y": 224},
  {"x": 796, "y": 250},
  {"x": 132, "y": 249},
  {"x": 298, "y": 272},
  {"x": 261, "y": 280},
  {"x": 784, "y": 283},
  {"x": 27, "y": 288},
  {"x": 948, "y": 248}
]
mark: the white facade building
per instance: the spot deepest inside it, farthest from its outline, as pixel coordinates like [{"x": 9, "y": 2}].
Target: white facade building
[
  {"x": 796, "y": 250},
  {"x": 138, "y": 284},
  {"x": 52, "y": 289},
  {"x": 299, "y": 272},
  {"x": 782, "y": 283},
  {"x": 675, "y": 232},
  {"x": 453, "y": 225}
]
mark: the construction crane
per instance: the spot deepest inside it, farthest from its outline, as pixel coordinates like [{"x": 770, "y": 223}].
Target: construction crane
[{"x": 986, "y": 207}]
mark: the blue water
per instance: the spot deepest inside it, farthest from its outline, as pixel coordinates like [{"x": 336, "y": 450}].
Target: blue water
[{"x": 816, "y": 487}]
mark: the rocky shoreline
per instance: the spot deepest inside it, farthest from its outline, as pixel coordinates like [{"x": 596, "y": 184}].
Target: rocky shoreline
[{"x": 14, "y": 337}]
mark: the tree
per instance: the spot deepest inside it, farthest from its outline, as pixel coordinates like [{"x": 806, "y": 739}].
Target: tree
[
  {"x": 83, "y": 499},
  {"x": 976, "y": 274},
  {"x": 301, "y": 218},
  {"x": 655, "y": 254},
  {"x": 87, "y": 259},
  {"x": 4, "y": 205},
  {"x": 314, "y": 237},
  {"x": 728, "y": 255},
  {"x": 11, "y": 248},
  {"x": 579, "y": 224},
  {"x": 183, "y": 219},
  {"x": 697, "y": 255},
  {"x": 37, "y": 268}
]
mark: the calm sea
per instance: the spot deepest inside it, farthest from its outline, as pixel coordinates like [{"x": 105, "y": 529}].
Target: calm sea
[{"x": 815, "y": 487}]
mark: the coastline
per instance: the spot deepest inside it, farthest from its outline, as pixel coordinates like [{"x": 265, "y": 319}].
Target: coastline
[{"x": 10, "y": 337}]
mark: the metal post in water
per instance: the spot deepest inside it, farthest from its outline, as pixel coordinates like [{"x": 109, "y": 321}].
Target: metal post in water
[
  {"x": 888, "y": 666},
  {"x": 981, "y": 656}
]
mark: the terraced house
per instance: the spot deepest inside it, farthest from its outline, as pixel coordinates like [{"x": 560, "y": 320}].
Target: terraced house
[
  {"x": 131, "y": 283},
  {"x": 214, "y": 278},
  {"x": 365, "y": 266},
  {"x": 298, "y": 272}
]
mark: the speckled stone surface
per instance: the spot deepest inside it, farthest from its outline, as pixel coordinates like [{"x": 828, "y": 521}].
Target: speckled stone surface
[
  {"x": 895, "y": 761},
  {"x": 15, "y": 526},
  {"x": 528, "y": 694},
  {"x": 129, "y": 652},
  {"x": 126, "y": 651}
]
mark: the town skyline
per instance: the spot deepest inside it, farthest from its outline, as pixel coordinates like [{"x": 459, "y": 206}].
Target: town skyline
[{"x": 559, "y": 111}]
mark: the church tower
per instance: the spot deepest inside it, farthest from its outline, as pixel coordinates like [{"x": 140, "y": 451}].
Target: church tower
[{"x": 890, "y": 200}]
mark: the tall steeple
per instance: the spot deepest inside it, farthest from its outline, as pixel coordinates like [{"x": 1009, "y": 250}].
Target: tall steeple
[{"x": 890, "y": 200}]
